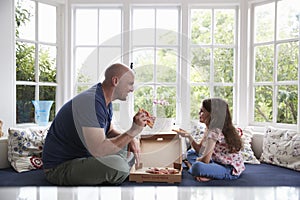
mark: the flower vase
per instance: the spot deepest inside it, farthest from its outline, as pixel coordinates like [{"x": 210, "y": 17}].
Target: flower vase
[{"x": 42, "y": 112}]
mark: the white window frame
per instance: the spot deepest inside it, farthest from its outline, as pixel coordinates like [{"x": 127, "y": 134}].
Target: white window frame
[
  {"x": 243, "y": 96},
  {"x": 274, "y": 83},
  {"x": 211, "y": 83},
  {"x": 59, "y": 99},
  {"x": 156, "y": 46}
]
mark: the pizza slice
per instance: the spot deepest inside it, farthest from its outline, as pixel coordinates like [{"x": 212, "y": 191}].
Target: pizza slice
[
  {"x": 151, "y": 120},
  {"x": 155, "y": 170}
]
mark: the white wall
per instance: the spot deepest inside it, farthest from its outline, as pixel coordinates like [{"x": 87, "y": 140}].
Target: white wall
[{"x": 7, "y": 69}]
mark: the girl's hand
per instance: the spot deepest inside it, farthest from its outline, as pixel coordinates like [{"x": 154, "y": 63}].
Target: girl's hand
[{"x": 181, "y": 132}]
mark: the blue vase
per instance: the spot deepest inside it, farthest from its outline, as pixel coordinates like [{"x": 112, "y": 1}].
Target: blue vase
[{"x": 42, "y": 112}]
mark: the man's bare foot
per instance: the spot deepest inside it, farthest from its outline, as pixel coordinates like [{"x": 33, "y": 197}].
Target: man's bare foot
[
  {"x": 202, "y": 179},
  {"x": 187, "y": 163}
]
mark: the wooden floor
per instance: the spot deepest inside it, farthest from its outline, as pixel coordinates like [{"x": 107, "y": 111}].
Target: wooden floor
[{"x": 149, "y": 193}]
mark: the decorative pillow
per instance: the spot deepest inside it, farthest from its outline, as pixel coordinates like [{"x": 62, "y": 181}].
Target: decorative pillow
[
  {"x": 197, "y": 131},
  {"x": 25, "y": 148},
  {"x": 281, "y": 147},
  {"x": 247, "y": 151}
]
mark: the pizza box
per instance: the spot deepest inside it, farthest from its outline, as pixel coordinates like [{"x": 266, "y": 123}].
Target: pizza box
[{"x": 162, "y": 151}]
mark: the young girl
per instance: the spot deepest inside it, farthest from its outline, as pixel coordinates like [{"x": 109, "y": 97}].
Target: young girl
[{"x": 217, "y": 156}]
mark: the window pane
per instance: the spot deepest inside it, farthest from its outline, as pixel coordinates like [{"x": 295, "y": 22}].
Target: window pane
[
  {"x": 263, "y": 104},
  {"x": 264, "y": 63},
  {"x": 49, "y": 93},
  {"x": 143, "y": 98},
  {"x": 264, "y": 23},
  {"x": 25, "y": 109},
  {"x": 288, "y": 54},
  {"x": 47, "y": 23},
  {"x": 86, "y": 64},
  {"x": 166, "y": 65},
  {"x": 288, "y": 19},
  {"x": 224, "y": 26},
  {"x": 110, "y": 30},
  {"x": 25, "y": 19},
  {"x": 201, "y": 26},
  {"x": 226, "y": 93},
  {"x": 167, "y": 26},
  {"x": 200, "y": 69},
  {"x": 25, "y": 62},
  {"x": 223, "y": 64},
  {"x": 108, "y": 56},
  {"x": 86, "y": 33},
  {"x": 287, "y": 104},
  {"x": 143, "y": 64},
  {"x": 198, "y": 94},
  {"x": 143, "y": 25},
  {"x": 81, "y": 88},
  {"x": 167, "y": 98},
  {"x": 47, "y": 63}
]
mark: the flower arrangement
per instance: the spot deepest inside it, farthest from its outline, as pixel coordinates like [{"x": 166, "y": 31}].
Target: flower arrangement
[
  {"x": 161, "y": 102},
  {"x": 164, "y": 108}
]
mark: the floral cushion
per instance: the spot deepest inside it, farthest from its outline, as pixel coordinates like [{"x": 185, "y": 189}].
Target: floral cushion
[
  {"x": 247, "y": 151},
  {"x": 281, "y": 147},
  {"x": 25, "y": 148}
]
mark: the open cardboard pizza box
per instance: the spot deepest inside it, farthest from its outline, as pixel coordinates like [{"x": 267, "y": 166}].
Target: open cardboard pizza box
[{"x": 162, "y": 151}]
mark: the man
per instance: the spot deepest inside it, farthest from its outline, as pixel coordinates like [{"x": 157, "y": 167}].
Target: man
[{"x": 82, "y": 147}]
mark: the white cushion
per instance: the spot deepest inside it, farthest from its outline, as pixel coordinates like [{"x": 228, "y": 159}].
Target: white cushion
[
  {"x": 25, "y": 148},
  {"x": 281, "y": 147},
  {"x": 3, "y": 153},
  {"x": 247, "y": 152}
]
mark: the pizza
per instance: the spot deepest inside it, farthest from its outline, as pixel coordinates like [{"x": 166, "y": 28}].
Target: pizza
[
  {"x": 155, "y": 170},
  {"x": 151, "y": 120}
]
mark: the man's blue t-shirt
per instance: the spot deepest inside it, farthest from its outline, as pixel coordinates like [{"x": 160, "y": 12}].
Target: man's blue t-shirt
[{"x": 64, "y": 140}]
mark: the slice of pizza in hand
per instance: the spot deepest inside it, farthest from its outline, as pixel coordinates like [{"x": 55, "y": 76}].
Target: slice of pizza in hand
[
  {"x": 181, "y": 132},
  {"x": 151, "y": 120}
]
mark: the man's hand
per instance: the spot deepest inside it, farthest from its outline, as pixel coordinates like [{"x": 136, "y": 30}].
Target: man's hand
[
  {"x": 134, "y": 146},
  {"x": 139, "y": 122}
]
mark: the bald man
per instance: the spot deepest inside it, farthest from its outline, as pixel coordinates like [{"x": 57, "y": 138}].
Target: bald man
[{"x": 82, "y": 147}]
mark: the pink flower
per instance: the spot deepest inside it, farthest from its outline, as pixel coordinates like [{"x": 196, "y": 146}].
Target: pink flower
[{"x": 161, "y": 102}]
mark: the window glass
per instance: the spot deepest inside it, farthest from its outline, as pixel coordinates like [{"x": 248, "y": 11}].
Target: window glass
[
  {"x": 263, "y": 104},
  {"x": 47, "y": 63},
  {"x": 86, "y": 64},
  {"x": 143, "y": 26},
  {"x": 287, "y": 62},
  {"x": 166, "y": 65},
  {"x": 276, "y": 61},
  {"x": 224, "y": 26},
  {"x": 288, "y": 19},
  {"x": 36, "y": 55},
  {"x": 200, "y": 64},
  {"x": 25, "y": 19},
  {"x": 264, "y": 63},
  {"x": 110, "y": 29},
  {"x": 155, "y": 57},
  {"x": 264, "y": 29},
  {"x": 224, "y": 65},
  {"x": 86, "y": 33},
  {"x": 47, "y": 23},
  {"x": 212, "y": 68},
  {"x": 25, "y": 61},
  {"x": 201, "y": 26}
]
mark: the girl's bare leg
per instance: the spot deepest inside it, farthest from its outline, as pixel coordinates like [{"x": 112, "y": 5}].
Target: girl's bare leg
[{"x": 202, "y": 179}]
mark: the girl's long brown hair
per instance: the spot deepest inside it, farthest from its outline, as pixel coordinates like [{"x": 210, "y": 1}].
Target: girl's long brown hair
[{"x": 220, "y": 117}]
